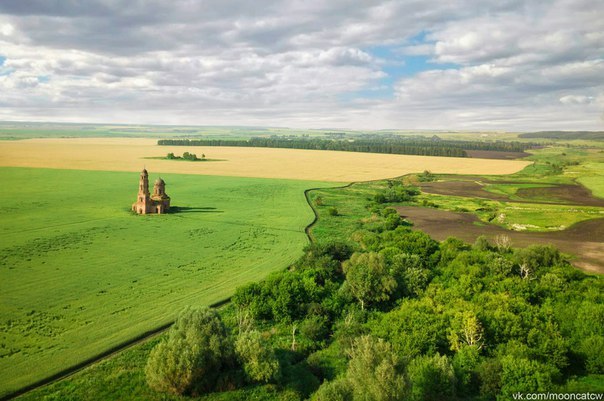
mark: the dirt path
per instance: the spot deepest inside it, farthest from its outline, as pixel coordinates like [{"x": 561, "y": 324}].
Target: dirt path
[{"x": 584, "y": 239}]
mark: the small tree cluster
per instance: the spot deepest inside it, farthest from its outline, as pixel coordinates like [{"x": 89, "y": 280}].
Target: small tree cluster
[{"x": 192, "y": 356}]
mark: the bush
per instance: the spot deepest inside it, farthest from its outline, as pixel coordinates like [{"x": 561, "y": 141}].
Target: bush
[
  {"x": 257, "y": 358},
  {"x": 524, "y": 375},
  {"x": 190, "y": 360},
  {"x": 373, "y": 371},
  {"x": 337, "y": 390},
  {"x": 333, "y": 211},
  {"x": 431, "y": 378},
  {"x": 368, "y": 279},
  {"x": 592, "y": 349}
]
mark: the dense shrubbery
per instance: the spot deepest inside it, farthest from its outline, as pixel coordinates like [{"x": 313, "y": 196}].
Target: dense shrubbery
[
  {"x": 397, "y": 315},
  {"x": 192, "y": 357},
  {"x": 396, "y": 192},
  {"x": 185, "y": 156}
]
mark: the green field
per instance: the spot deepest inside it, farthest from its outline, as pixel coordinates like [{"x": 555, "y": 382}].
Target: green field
[{"x": 79, "y": 273}]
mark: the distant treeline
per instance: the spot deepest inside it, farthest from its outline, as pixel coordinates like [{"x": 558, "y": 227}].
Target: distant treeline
[
  {"x": 424, "y": 147},
  {"x": 593, "y": 135}
]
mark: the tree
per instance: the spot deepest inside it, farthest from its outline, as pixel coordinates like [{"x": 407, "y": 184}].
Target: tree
[
  {"x": 191, "y": 358},
  {"x": 431, "y": 378},
  {"x": 336, "y": 390},
  {"x": 373, "y": 370},
  {"x": 257, "y": 358},
  {"x": 465, "y": 363},
  {"x": 592, "y": 348},
  {"x": 524, "y": 375},
  {"x": 466, "y": 330},
  {"x": 368, "y": 278}
]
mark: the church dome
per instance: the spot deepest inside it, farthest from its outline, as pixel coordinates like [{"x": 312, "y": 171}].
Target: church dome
[{"x": 159, "y": 181}]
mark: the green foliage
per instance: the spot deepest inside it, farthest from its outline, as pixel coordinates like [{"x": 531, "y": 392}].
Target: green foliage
[
  {"x": 396, "y": 193},
  {"x": 192, "y": 357},
  {"x": 259, "y": 361},
  {"x": 333, "y": 211},
  {"x": 538, "y": 258},
  {"x": 592, "y": 349},
  {"x": 335, "y": 250},
  {"x": 374, "y": 371},
  {"x": 368, "y": 278},
  {"x": 329, "y": 363},
  {"x": 465, "y": 331},
  {"x": 185, "y": 156},
  {"x": 431, "y": 378},
  {"x": 336, "y": 390},
  {"x": 489, "y": 373},
  {"x": 426, "y": 176},
  {"x": 406, "y": 241},
  {"x": 465, "y": 364},
  {"x": 415, "y": 327},
  {"x": 524, "y": 375},
  {"x": 482, "y": 244},
  {"x": 315, "y": 327},
  {"x": 189, "y": 156}
]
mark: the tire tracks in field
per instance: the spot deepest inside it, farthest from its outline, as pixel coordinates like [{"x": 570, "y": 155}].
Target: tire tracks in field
[{"x": 149, "y": 334}]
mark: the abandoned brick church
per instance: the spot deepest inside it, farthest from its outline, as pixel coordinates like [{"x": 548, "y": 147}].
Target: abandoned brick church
[{"x": 158, "y": 203}]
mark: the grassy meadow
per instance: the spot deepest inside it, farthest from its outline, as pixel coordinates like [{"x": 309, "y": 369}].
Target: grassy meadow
[
  {"x": 122, "y": 376},
  {"x": 79, "y": 273}
]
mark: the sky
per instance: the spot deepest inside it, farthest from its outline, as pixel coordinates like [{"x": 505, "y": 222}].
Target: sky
[{"x": 515, "y": 65}]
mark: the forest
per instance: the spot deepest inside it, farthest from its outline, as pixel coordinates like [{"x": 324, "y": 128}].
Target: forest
[
  {"x": 388, "y": 313},
  {"x": 569, "y": 135},
  {"x": 408, "y": 146}
]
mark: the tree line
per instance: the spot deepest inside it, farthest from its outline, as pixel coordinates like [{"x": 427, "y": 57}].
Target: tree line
[
  {"x": 588, "y": 135},
  {"x": 422, "y": 147}
]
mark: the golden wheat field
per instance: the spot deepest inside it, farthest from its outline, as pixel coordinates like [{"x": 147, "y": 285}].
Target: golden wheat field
[{"x": 125, "y": 154}]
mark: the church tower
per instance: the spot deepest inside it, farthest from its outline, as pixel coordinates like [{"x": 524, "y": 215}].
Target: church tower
[
  {"x": 143, "y": 200},
  {"x": 161, "y": 200},
  {"x": 146, "y": 203}
]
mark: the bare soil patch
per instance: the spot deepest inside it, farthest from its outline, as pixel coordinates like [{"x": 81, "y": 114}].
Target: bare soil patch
[
  {"x": 573, "y": 194},
  {"x": 585, "y": 240},
  {"x": 491, "y": 154},
  {"x": 470, "y": 189},
  {"x": 129, "y": 154},
  {"x": 554, "y": 194}
]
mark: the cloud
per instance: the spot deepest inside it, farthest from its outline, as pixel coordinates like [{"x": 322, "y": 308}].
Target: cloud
[
  {"x": 508, "y": 64},
  {"x": 577, "y": 99}
]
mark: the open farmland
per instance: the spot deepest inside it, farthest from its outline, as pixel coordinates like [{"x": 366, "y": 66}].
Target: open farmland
[
  {"x": 122, "y": 154},
  {"x": 80, "y": 274}
]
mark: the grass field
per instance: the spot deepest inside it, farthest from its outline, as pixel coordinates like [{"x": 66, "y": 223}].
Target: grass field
[
  {"x": 79, "y": 273},
  {"x": 122, "y": 377},
  {"x": 129, "y": 154}
]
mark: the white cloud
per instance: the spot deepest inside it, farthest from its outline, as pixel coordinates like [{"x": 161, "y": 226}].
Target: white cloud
[
  {"x": 577, "y": 99},
  {"x": 507, "y": 64},
  {"x": 6, "y": 29}
]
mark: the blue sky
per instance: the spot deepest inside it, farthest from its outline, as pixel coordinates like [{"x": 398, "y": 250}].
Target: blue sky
[{"x": 468, "y": 65}]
